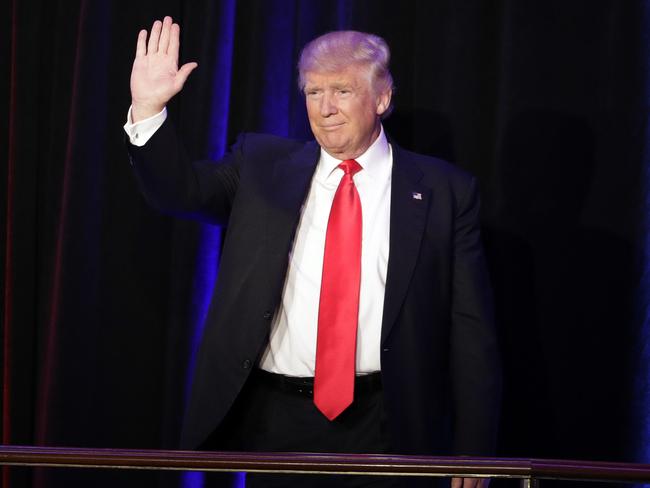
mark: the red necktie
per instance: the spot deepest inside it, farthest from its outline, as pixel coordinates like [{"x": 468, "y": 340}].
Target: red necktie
[{"x": 338, "y": 311}]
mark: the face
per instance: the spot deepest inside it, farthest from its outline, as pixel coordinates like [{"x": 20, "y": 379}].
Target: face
[{"x": 344, "y": 110}]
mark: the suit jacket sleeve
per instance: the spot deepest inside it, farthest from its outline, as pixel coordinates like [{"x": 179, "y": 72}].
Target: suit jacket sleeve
[
  {"x": 172, "y": 184},
  {"x": 474, "y": 359}
]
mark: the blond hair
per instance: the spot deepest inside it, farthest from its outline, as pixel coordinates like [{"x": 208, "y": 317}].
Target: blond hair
[{"x": 336, "y": 50}]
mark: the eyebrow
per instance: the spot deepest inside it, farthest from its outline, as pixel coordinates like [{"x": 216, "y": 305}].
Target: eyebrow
[{"x": 335, "y": 86}]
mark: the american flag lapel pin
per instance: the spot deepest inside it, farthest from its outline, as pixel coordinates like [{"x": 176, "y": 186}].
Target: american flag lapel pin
[{"x": 417, "y": 195}]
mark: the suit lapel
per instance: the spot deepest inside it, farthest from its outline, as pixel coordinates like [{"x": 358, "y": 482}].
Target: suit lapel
[
  {"x": 289, "y": 186},
  {"x": 409, "y": 203}
]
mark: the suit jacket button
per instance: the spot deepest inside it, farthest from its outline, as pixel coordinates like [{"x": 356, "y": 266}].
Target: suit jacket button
[
  {"x": 268, "y": 315},
  {"x": 246, "y": 364}
]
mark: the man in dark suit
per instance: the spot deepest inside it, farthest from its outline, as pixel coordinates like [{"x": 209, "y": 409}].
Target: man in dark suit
[{"x": 352, "y": 312}]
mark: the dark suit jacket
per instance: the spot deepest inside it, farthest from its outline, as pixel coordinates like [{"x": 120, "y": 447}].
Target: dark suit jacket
[{"x": 439, "y": 361}]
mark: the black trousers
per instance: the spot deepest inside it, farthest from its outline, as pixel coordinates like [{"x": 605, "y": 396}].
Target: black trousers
[{"x": 267, "y": 417}]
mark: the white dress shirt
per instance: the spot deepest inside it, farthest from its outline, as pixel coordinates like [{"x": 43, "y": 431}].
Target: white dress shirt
[
  {"x": 140, "y": 132},
  {"x": 292, "y": 346}
]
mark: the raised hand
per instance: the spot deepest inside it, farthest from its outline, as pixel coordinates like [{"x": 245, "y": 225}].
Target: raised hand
[{"x": 155, "y": 77}]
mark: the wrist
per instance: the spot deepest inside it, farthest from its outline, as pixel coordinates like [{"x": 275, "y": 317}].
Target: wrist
[{"x": 140, "y": 111}]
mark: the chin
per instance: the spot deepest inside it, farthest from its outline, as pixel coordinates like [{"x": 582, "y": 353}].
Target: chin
[{"x": 334, "y": 145}]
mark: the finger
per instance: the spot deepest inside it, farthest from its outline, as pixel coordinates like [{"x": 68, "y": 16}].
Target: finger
[
  {"x": 466, "y": 482},
  {"x": 183, "y": 73},
  {"x": 163, "y": 43},
  {"x": 153, "y": 37},
  {"x": 457, "y": 483},
  {"x": 141, "y": 46},
  {"x": 174, "y": 42}
]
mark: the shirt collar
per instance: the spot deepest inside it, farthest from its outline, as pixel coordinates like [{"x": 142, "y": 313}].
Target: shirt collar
[{"x": 376, "y": 157}]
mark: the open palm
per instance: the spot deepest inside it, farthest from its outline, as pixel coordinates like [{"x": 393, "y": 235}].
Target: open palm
[{"x": 155, "y": 77}]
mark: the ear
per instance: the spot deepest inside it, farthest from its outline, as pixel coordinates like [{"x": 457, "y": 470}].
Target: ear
[{"x": 383, "y": 101}]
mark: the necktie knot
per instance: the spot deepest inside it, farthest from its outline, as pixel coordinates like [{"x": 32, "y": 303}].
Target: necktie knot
[{"x": 350, "y": 167}]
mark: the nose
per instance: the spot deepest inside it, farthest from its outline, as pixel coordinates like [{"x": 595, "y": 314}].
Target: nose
[{"x": 327, "y": 105}]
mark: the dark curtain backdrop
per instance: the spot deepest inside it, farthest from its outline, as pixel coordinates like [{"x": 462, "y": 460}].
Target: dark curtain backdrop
[{"x": 103, "y": 299}]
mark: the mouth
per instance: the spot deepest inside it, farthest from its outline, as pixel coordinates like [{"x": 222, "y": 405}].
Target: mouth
[{"x": 331, "y": 127}]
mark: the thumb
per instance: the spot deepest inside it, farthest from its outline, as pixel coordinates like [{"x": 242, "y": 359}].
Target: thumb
[{"x": 184, "y": 72}]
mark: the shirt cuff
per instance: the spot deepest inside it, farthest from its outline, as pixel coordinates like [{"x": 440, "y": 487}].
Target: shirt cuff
[{"x": 140, "y": 132}]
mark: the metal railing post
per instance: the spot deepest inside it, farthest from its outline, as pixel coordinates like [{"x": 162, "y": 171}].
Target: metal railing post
[{"x": 529, "y": 483}]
